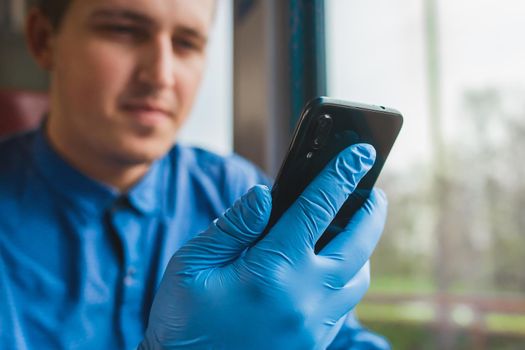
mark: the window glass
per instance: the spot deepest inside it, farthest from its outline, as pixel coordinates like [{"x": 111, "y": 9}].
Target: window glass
[{"x": 453, "y": 251}]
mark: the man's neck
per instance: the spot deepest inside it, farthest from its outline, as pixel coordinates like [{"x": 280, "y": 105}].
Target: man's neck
[{"x": 107, "y": 170}]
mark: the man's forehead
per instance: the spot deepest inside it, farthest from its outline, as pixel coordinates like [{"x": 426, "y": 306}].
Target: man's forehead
[{"x": 194, "y": 14}]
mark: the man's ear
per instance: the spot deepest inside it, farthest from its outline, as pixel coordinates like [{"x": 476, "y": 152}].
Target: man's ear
[{"x": 39, "y": 33}]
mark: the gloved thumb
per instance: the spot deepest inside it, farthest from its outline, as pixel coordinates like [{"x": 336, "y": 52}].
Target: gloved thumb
[{"x": 232, "y": 233}]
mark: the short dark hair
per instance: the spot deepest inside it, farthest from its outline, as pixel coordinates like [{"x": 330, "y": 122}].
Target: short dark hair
[{"x": 54, "y": 9}]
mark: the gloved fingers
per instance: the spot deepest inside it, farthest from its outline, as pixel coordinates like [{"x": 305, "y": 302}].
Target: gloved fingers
[
  {"x": 351, "y": 248},
  {"x": 230, "y": 234},
  {"x": 353, "y": 291},
  {"x": 336, "y": 326},
  {"x": 304, "y": 222}
]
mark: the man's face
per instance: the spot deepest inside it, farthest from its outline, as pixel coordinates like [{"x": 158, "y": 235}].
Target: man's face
[{"x": 125, "y": 74}]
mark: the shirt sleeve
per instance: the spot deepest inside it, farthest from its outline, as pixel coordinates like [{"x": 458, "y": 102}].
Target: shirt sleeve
[{"x": 241, "y": 175}]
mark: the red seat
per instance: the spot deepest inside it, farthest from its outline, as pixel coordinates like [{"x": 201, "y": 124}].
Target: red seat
[{"x": 21, "y": 110}]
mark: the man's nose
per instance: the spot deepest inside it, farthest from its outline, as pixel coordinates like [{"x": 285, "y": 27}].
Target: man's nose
[{"x": 158, "y": 65}]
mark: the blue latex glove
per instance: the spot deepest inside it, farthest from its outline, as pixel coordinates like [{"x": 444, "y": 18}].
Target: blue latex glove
[
  {"x": 354, "y": 336},
  {"x": 221, "y": 292}
]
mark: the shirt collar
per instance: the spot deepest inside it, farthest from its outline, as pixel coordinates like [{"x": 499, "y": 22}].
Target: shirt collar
[
  {"x": 91, "y": 194},
  {"x": 147, "y": 196}
]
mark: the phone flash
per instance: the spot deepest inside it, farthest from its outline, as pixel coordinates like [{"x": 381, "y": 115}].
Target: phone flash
[{"x": 309, "y": 155}]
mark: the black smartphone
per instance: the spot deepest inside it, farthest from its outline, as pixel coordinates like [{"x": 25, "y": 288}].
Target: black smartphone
[{"x": 325, "y": 128}]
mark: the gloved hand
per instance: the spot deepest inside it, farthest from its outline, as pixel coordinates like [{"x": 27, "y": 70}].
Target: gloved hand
[
  {"x": 356, "y": 337},
  {"x": 220, "y": 292}
]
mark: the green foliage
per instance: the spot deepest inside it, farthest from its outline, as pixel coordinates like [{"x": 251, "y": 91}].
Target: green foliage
[
  {"x": 459, "y": 229},
  {"x": 462, "y": 227}
]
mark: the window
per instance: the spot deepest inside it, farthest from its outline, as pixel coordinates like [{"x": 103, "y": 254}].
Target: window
[{"x": 450, "y": 264}]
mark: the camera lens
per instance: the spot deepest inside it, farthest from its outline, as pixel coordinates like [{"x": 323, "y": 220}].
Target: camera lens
[{"x": 323, "y": 126}]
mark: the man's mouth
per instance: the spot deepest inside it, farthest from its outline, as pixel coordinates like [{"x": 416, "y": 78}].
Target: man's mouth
[{"x": 147, "y": 113}]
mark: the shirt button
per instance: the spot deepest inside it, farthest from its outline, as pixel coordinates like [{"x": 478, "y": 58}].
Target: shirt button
[{"x": 130, "y": 273}]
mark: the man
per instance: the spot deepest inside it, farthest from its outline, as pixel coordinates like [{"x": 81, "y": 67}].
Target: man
[{"x": 95, "y": 203}]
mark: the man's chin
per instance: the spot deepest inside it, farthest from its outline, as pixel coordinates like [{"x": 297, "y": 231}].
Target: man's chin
[{"x": 141, "y": 155}]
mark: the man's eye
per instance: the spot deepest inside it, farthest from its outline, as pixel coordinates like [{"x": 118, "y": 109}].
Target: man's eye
[
  {"x": 187, "y": 45},
  {"x": 130, "y": 31}
]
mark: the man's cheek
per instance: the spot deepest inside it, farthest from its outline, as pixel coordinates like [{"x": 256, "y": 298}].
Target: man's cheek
[
  {"x": 103, "y": 66},
  {"x": 101, "y": 86},
  {"x": 188, "y": 87}
]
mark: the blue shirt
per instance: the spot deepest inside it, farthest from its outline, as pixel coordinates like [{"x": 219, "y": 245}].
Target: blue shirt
[{"x": 80, "y": 262}]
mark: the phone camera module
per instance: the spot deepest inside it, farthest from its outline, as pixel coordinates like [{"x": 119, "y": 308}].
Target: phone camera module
[{"x": 322, "y": 131}]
